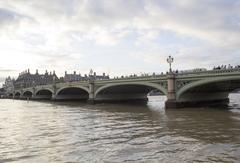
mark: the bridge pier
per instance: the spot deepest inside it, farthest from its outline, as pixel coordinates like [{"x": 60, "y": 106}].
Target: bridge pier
[
  {"x": 182, "y": 104},
  {"x": 173, "y": 104},
  {"x": 198, "y": 98},
  {"x": 42, "y": 97},
  {"x": 91, "y": 98},
  {"x": 91, "y": 101},
  {"x": 109, "y": 98},
  {"x": 53, "y": 98},
  {"x": 171, "y": 94}
]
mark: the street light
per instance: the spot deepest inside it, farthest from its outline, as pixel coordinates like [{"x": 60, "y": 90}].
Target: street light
[
  {"x": 90, "y": 77},
  {"x": 91, "y": 72},
  {"x": 170, "y": 61}
]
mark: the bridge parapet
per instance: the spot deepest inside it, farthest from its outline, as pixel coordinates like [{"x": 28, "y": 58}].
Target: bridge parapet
[
  {"x": 209, "y": 72},
  {"x": 139, "y": 77}
]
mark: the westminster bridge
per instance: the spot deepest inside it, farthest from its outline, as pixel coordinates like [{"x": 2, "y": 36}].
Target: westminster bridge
[{"x": 181, "y": 89}]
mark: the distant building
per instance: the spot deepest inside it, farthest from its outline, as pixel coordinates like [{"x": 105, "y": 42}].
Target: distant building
[
  {"x": 2, "y": 92},
  {"x": 72, "y": 77},
  {"x": 98, "y": 77},
  {"x": 26, "y": 79},
  {"x": 8, "y": 86},
  {"x": 155, "y": 92},
  {"x": 79, "y": 77}
]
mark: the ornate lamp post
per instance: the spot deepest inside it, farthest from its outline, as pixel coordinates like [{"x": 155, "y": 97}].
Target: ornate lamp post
[
  {"x": 170, "y": 61},
  {"x": 91, "y": 72},
  {"x": 91, "y": 78}
]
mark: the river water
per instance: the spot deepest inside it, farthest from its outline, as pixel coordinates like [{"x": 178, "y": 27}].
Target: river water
[{"x": 39, "y": 132}]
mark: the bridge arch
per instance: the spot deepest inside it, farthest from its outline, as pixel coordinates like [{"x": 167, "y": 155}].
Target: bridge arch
[
  {"x": 17, "y": 95},
  {"x": 27, "y": 94},
  {"x": 211, "y": 83},
  {"x": 45, "y": 90},
  {"x": 75, "y": 87},
  {"x": 72, "y": 93},
  {"x": 127, "y": 91},
  {"x": 44, "y": 93},
  {"x": 10, "y": 95}
]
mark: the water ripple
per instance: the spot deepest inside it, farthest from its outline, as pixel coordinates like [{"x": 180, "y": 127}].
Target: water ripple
[{"x": 75, "y": 132}]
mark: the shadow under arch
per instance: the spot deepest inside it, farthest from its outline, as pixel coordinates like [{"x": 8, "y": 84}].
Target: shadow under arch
[
  {"x": 17, "y": 95},
  {"x": 44, "y": 94},
  {"x": 27, "y": 94},
  {"x": 45, "y": 90},
  {"x": 10, "y": 95},
  {"x": 217, "y": 88},
  {"x": 127, "y": 91},
  {"x": 72, "y": 93}
]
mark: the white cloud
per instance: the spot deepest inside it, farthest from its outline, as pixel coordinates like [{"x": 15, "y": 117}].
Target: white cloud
[{"x": 210, "y": 21}]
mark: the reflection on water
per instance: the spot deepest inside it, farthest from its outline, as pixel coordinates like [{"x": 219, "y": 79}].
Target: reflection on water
[{"x": 77, "y": 132}]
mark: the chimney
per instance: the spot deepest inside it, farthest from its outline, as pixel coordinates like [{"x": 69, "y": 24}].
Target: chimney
[
  {"x": 36, "y": 71},
  {"x": 53, "y": 72},
  {"x": 74, "y": 72},
  {"x": 94, "y": 73},
  {"x": 46, "y": 73},
  {"x": 104, "y": 74},
  {"x": 28, "y": 71},
  {"x": 65, "y": 72}
]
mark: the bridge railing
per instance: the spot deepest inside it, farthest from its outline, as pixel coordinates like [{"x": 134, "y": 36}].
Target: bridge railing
[
  {"x": 146, "y": 76},
  {"x": 210, "y": 72}
]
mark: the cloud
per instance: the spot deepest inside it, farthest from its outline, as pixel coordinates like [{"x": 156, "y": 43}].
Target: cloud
[
  {"x": 7, "y": 70},
  {"x": 216, "y": 22},
  {"x": 212, "y": 21},
  {"x": 2, "y": 79},
  {"x": 7, "y": 17},
  {"x": 5, "y": 73},
  {"x": 10, "y": 20}
]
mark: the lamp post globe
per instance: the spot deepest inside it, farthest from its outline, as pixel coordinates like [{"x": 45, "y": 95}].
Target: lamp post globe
[
  {"x": 170, "y": 61},
  {"x": 91, "y": 72}
]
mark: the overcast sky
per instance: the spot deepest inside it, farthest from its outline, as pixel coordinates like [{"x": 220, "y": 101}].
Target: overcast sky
[{"x": 117, "y": 36}]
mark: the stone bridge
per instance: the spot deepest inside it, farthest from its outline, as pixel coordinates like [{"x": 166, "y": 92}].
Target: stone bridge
[{"x": 181, "y": 89}]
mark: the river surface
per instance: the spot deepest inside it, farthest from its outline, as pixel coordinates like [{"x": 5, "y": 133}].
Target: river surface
[{"x": 41, "y": 132}]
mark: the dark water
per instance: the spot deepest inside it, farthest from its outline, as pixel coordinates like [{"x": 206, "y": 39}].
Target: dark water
[{"x": 74, "y": 132}]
